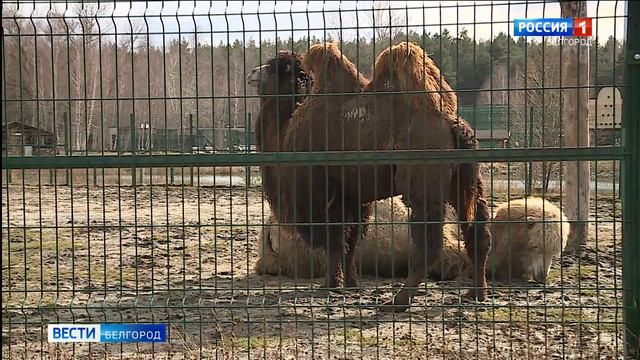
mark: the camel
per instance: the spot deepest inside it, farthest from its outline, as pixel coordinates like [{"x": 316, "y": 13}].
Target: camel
[
  {"x": 283, "y": 84},
  {"x": 268, "y": 79},
  {"x": 528, "y": 234},
  {"x": 334, "y": 195},
  {"x": 382, "y": 253}
]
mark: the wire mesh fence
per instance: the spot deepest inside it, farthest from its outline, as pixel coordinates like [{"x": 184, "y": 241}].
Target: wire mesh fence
[{"x": 321, "y": 180}]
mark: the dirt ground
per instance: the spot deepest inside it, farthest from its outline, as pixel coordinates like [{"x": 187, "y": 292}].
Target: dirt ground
[{"x": 184, "y": 256}]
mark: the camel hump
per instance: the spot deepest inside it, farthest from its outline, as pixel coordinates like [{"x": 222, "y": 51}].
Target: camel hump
[
  {"x": 320, "y": 55},
  {"x": 406, "y": 67},
  {"x": 332, "y": 70},
  {"x": 403, "y": 65}
]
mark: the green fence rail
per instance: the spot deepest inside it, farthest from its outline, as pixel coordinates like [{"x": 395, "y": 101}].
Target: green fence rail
[{"x": 317, "y": 158}]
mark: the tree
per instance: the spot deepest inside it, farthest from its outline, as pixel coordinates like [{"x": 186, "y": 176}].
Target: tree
[
  {"x": 575, "y": 110},
  {"x": 386, "y": 22}
]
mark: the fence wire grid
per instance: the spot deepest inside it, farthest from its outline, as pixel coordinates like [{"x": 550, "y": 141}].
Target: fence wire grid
[{"x": 321, "y": 179}]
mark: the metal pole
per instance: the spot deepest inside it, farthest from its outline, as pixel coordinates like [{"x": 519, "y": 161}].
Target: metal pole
[
  {"x": 529, "y": 163},
  {"x": 191, "y": 147},
  {"x": 67, "y": 145},
  {"x": 631, "y": 186},
  {"x": 247, "y": 133},
  {"x": 132, "y": 129}
]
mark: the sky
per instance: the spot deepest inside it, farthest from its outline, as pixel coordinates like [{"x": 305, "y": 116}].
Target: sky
[{"x": 263, "y": 20}]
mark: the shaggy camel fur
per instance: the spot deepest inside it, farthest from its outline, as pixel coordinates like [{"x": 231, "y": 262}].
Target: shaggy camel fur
[
  {"x": 391, "y": 121},
  {"x": 528, "y": 234},
  {"x": 384, "y": 251},
  {"x": 533, "y": 246}
]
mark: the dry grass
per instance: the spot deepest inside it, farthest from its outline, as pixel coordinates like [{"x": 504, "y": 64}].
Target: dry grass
[{"x": 185, "y": 256}]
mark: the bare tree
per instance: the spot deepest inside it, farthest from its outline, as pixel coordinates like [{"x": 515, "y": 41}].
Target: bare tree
[
  {"x": 83, "y": 69},
  {"x": 20, "y": 86},
  {"x": 538, "y": 110},
  {"x": 387, "y": 23}
]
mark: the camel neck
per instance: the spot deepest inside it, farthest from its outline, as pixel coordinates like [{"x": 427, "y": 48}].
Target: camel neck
[{"x": 273, "y": 121}]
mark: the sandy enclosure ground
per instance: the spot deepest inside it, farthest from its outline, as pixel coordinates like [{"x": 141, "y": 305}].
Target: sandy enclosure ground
[{"x": 185, "y": 256}]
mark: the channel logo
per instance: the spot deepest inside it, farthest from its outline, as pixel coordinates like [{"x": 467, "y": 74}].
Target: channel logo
[
  {"x": 552, "y": 27},
  {"x": 107, "y": 333}
]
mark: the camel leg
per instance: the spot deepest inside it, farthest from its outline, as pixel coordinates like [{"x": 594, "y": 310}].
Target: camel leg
[
  {"x": 334, "y": 277},
  {"x": 350, "y": 269},
  {"x": 356, "y": 234},
  {"x": 335, "y": 252},
  {"x": 477, "y": 240},
  {"x": 267, "y": 264},
  {"x": 427, "y": 237}
]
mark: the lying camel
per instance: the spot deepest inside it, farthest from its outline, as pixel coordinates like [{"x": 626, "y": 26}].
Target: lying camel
[
  {"x": 529, "y": 234},
  {"x": 387, "y": 244},
  {"x": 384, "y": 252}
]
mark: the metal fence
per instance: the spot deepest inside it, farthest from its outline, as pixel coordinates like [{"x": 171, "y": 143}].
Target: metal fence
[{"x": 135, "y": 226}]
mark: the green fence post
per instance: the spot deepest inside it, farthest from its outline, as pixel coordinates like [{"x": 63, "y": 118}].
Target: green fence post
[
  {"x": 132, "y": 129},
  {"x": 55, "y": 149},
  {"x": 631, "y": 185},
  {"x": 529, "y": 145},
  {"x": 527, "y": 179},
  {"x": 67, "y": 144},
  {"x": 191, "y": 147},
  {"x": 247, "y": 133},
  {"x": 181, "y": 151}
]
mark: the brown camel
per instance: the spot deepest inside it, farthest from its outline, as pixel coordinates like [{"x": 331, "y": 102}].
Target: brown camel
[
  {"x": 283, "y": 84},
  {"x": 393, "y": 120}
]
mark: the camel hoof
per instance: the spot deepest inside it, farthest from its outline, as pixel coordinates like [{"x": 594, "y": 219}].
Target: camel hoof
[
  {"x": 331, "y": 287},
  {"x": 391, "y": 307},
  {"x": 351, "y": 289},
  {"x": 351, "y": 284},
  {"x": 479, "y": 295},
  {"x": 327, "y": 293},
  {"x": 400, "y": 303}
]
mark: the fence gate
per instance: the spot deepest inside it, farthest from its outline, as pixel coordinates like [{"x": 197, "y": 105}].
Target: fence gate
[{"x": 225, "y": 251}]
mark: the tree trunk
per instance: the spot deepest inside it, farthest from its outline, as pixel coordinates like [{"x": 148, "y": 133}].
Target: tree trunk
[{"x": 575, "y": 109}]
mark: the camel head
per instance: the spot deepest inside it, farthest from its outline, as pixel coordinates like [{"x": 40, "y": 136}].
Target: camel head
[{"x": 281, "y": 75}]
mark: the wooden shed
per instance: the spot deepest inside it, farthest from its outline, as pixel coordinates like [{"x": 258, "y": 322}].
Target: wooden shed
[{"x": 25, "y": 140}]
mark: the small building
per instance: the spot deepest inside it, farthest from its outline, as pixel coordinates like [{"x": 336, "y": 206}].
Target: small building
[
  {"x": 498, "y": 138},
  {"x": 489, "y": 123},
  {"x": 605, "y": 111},
  {"x": 20, "y": 139},
  {"x": 605, "y": 117}
]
